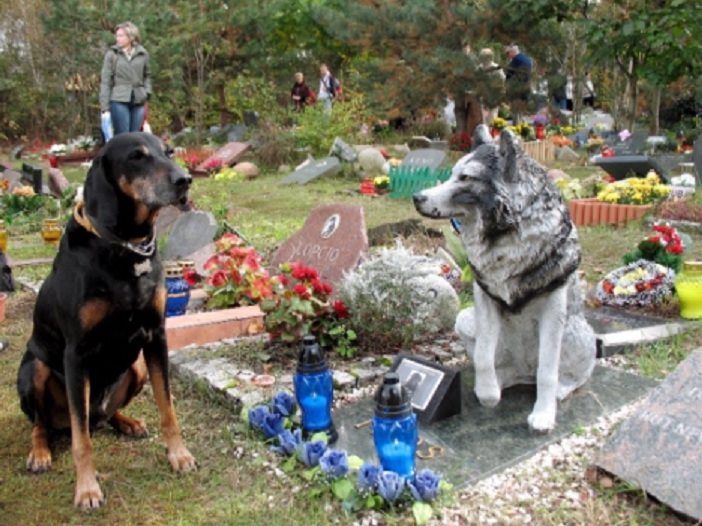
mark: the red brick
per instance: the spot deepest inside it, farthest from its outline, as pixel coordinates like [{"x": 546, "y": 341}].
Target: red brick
[{"x": 212, "y": 326}]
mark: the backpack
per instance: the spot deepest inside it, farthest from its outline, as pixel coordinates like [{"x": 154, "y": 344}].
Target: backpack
[
  {"x": 335, "y": 85},
  {"x": 312, "y": 98}
]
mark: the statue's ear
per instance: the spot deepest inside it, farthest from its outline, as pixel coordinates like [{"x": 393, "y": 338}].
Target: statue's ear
[
  {"x": 509, "y": 151},
  {"x": 481, "y": 136}
]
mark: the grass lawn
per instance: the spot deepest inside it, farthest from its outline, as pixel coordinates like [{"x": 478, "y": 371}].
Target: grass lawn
[{"x": 236, "y": 483}]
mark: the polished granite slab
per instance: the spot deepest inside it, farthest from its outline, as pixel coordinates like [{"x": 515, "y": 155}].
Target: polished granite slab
[
  {"x": 618, "y": 330},
  {"x": 480, "y": 442}
]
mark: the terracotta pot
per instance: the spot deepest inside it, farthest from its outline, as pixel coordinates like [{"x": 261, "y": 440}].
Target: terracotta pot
[{"x": 593, "y": 212}]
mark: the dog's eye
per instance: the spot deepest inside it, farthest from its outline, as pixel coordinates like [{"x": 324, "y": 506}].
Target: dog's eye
[
  {"x": 463, "y": 177},
  {"x": 138, "y": 154}
]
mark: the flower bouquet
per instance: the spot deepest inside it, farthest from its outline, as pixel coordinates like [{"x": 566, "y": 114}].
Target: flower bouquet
[
  {"x": 640, "y": 284},
  {"x": 635, "y": 191},
  {"x": 665, "y": 247},
  {"x": 381, "y": 183}
]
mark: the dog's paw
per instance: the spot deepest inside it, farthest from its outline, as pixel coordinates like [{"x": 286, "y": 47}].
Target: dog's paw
[
  {"x": 182, "y": 461},
  {"x": 132, "y": 427},
  {"x": 488, "y": 393},
  {"x": 39, "y": 460},
  {"x": 88, "y": 496},
  {"x": 542, "y": 421}
]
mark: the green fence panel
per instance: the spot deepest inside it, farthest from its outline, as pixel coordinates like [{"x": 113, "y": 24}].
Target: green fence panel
[{"x": 405, "y": 181}]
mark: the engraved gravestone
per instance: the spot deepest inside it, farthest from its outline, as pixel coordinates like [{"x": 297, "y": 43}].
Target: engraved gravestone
[
  {"x": 313, "y": 170},
  {"x": 191, "y": 231},
  {"x": 228, "y": 154},
  {"x": 659, "y": 447},
  {"x": 425, "y": 158},
  {"x": 333, "y": 240}
]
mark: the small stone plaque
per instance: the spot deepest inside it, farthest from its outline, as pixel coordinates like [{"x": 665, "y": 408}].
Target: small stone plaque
[
  {"x": 333, "y": 240},
  {"x": 436, "y": 389},
  {"x": 228, "y": 154},
  {"x": 191, "y": 231},
  {"x": 425, "y": 158},
  {"x": 313, "y": 170},
  {"x": 660, "y": 446}
]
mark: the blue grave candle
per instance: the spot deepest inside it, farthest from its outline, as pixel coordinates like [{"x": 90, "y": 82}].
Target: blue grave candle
[
  {"x": 395, "y": 427},
  {"x": 314, "y": 390}
]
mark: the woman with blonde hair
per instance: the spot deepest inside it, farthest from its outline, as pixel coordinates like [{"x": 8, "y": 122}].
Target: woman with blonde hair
[{"x": 125, "y": 80}]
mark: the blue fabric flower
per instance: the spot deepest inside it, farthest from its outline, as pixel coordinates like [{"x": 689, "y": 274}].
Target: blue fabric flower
[
  {"x": 334, "y": 463},
  {"x": 257, "y": 416},
  {"x": 283, "y": 403},
  {"x": 368, "y": 477},
  {"x": 288, "y": 442},
  {"x": 273, "y": 425},
  {"x": 311, "y": 452},
  {"x": 425, "y": 486},
  {"x": 390, "y": 485}
]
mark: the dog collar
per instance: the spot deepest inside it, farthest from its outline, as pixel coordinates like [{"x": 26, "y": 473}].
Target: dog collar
[{"x": 145, "y": 249}]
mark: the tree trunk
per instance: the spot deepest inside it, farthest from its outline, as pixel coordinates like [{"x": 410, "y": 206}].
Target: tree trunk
[{"x": 655, "y": 111}]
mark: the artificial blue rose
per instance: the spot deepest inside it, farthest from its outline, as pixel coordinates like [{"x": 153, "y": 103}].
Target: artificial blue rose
[
  {"x": 311, "y": 452},
  {"x": 257, "y": 415},
  {"x": 283, "y": 403},
  {"x": 288, "y": 442},
  {"x": 368, "y": 477},
  {"x": 273, "y": 425},
  {"x": 425, "y": 486},
  {"x": 390, "y": 485},
  {"x": 334, "y": 463}
]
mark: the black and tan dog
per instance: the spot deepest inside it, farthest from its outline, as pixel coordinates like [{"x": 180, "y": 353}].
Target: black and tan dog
[{"x": 99, "y": 317}]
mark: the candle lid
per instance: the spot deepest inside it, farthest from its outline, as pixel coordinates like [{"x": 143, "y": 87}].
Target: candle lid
[
  {"x": 392, "y": 399},
  {"x": 311, "y": 358}
]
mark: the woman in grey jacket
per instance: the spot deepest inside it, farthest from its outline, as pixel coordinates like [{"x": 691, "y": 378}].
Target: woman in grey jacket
[{"x": 125, "y": 81}]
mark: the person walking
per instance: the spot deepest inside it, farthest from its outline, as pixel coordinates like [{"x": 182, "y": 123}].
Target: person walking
[
  {"x": 300, "y": 92},
  {"x": 327, "y": 87},
  {"x": 125, "y": 80},
  {"x": 588, "y": 91},
  {"x": 517, "y": 80}
]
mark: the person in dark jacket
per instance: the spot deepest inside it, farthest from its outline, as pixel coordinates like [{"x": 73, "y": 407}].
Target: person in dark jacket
[
  {"x": 125, "y": 80},
  {"x": 517, "y": 80},
  {"x": 300, "y": 92}
]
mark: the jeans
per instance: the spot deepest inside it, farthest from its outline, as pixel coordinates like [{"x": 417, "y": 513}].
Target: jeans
[{"x": 126, "y": 116}]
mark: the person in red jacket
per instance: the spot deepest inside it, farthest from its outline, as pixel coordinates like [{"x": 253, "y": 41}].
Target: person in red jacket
[{"x": 300, "y": 92}]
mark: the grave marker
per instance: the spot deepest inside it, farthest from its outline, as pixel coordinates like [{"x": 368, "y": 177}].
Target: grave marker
[
  {"x": 333, "y": 240},
  {"x": 312, "y": 170},
  {"x": 659, "y": 447},
  {"x": 57, "y": 182},
  {"x": 425, "y": 158},
  {"x": 228, "y": 154},
  {"x": 697, "y": 159},
  {"x": 624, "y": 166},
  {"x": 191, "y": 231}
]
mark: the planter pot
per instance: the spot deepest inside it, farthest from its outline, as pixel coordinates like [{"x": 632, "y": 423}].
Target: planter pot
[{"x": 585, "y": 212}]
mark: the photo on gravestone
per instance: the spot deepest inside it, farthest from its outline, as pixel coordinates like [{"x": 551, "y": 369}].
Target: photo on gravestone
[{"x": 435, "y": 389}]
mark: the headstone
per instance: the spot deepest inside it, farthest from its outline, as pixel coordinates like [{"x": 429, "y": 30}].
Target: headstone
[
  {"x": 659, "y": 447},
  {"x": 420, "y": 141},
  {"x": 425, "y": 158},
  {"x": 697, "y": 158},
  {"x": 251, "y": 118},
  {"x": 624, "y": 166},
  {"x": 313, "y": 170},
  {"x": 343, "y": 151},
  {"x": 57, "y": 182},
  {"x": 17, "y": 152},
  {"x": 4, "y": 165},
  {"x": 333, "y": 240},
  {"x": 228, "y": 154},
  {"x": 32, "y": 176},
  {"x": 191, "y": 231},
  {"x": 480, "y": 441},
  {"x": 166, "y": 219},
  {"x": 236, "y": 133},
  {"x": 15, "y": 179},
  {"x": 566, "y": 153}
]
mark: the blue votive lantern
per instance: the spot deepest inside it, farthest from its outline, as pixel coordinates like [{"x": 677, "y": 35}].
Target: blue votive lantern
[
  {"x": 177, "y": 290},
  {"x": 314, "y": 390},
  {"x": 395, "y": 427}
]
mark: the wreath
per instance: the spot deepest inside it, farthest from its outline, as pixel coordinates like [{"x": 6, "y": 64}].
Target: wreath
[{"x": 639, "y": 283}]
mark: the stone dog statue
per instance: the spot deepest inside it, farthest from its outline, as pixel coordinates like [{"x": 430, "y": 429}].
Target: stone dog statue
[{"x": 527, "y": 325}]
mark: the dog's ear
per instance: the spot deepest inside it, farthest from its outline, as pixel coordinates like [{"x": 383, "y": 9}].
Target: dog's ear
[
  {"x": 99, "y": 193},
  {"x": 509, "y": 151},
  {"x": 481, "y": 136}
]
